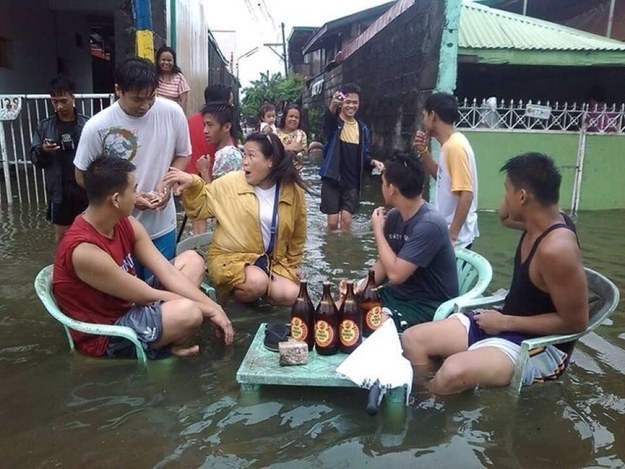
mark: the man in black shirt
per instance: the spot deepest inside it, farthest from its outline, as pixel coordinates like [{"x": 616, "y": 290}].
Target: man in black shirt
[{"x": 53, "y": 148}]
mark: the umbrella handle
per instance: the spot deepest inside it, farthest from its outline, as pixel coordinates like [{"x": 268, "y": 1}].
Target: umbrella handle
[{"x": 374, "y": 400}]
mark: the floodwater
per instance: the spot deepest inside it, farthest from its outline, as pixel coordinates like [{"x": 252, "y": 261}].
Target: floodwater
[{"x": 60, "y": 409}]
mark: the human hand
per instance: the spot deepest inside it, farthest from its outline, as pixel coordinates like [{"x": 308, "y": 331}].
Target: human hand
[
  {"x": 145, "y": 201},
  {"x": 378, "y": 165},
  {"x": 178, "y": 179},
  {"x": 224, "y": 328},
  {"x": 203, "y": 163},
  {"x": 162, "y": 194},
  {"x": 491, "y": 321},
  {"x": 336, "y": 101},
  {"x": 378, "y": 218},
  {"x": 421, "y": 141},
  {"x": 299, "y": 273},
  {"x": 49, "y": 146}
]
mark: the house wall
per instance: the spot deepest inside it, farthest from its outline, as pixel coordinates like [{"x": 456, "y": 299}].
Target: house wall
[
  {"x": 602, "y": 179},
  {"x": 396, "y": 69}
]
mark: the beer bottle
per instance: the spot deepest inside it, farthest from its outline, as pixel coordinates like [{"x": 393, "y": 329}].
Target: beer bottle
[
  {"x": 371, "y": 306},
  {"x": 350, "y": 327},
  {"x": 303, "y": 317},
  {"x": 326, "y": 324}
]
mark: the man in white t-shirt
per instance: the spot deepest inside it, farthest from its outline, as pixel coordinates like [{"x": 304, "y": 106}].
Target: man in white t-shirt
[
  {"x": 455, "y": 172},
  {"x": 151, "y": 132}
]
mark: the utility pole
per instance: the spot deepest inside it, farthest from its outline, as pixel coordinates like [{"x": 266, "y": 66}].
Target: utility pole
[{"x": 281, "y": 55}]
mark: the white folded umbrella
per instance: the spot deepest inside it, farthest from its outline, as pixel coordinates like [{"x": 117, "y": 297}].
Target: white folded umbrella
[{"x": 379, "y": 361}]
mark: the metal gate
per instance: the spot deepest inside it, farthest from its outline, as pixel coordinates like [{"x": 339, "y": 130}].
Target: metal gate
[{"x": 19, "y": 116}]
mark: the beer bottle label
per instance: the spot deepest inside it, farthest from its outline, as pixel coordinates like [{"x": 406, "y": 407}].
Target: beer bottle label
[
  {"x": 348, "y": 333},
  {"x": 299, "y": 329},
  {"x": 324, "y": 335},
  {"x": 374, "y": 317}
]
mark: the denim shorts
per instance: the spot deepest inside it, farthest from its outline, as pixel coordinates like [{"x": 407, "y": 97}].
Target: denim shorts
[{"x": 147, "y": 322}]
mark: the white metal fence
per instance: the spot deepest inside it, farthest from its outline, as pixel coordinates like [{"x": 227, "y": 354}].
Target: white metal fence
[
  {"x": 546, "y": 116},
  {"x": 22, "y": 181}
]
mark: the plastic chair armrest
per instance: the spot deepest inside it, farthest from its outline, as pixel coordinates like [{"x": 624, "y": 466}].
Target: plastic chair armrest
[{"x": 463, "y": 305}]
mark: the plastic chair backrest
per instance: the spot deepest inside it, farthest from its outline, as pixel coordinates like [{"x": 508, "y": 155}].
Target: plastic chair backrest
[
  {"x": 43, "y": 287},
  {"x": 199, "y": 243},
  {"x": 474, "y": 276},
  {"x": 196, "y": 242},
  {"x": 604, "y": 298}
]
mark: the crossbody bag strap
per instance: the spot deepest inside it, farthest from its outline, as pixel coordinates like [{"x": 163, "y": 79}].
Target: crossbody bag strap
[{"x": 274, "y": 220}]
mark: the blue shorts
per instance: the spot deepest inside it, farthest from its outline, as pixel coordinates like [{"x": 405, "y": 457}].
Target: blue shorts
[
  {"x": 147, "y": 322},
  {"x": 166, "y": 245}
]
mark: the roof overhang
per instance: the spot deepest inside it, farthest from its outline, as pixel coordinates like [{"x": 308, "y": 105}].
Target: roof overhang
[{"x": 542, "y": 57}]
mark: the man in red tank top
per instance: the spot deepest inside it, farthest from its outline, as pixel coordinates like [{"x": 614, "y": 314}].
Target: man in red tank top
[
  {"x": 94, "y": 277},
  {"x": 548, "y": 295}
]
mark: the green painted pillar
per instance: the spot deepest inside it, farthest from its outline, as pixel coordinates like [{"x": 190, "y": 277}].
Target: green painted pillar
[{"x": 448, "y": 57}]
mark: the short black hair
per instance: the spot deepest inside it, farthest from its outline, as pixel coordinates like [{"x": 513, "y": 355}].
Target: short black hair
[
  {"x": 60, "y": 85},
  {"x": 536, "y": 173},
  {"x": 220, "y": 111},
  {"x": 598, "y": 93},
  {"x": 350, "y": 88},
  {"x": 105, "y": 176},
  {"x": 136, "y": 74},
  {"x": 406, "y": 172},
  {"x": 445, "y": 106},
  {"x": 218, "y": 93},
  {"x": 159, "y": 52}
]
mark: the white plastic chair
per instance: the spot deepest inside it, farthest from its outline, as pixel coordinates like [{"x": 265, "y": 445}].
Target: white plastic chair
[
  {"x": 198, "y": 243},
  {"x": 474, "y": 276},
  {"x": 603, "y": 296},
  {"x": 43, "y": 287}
]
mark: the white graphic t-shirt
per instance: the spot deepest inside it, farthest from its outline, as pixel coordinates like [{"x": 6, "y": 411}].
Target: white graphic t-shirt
[{"x": 151, "y": 142}]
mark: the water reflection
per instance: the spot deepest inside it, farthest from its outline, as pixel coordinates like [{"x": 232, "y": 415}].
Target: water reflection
[{"x": 63, "y": 409}]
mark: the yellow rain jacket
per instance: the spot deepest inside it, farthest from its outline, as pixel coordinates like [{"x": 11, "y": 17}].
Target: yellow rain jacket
[{"x": 238, "y": 241}]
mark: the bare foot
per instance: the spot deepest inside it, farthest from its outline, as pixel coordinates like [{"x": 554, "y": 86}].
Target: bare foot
[{"x": 180, "y": 351}]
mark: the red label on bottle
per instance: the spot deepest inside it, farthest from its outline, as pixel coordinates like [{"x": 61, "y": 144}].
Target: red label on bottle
[
  {"x": 299, "y": 329},
  {"x": 348, "y": 332},
  {"x": 374, "y": 317},
  {"x": 324, "y": 335}
]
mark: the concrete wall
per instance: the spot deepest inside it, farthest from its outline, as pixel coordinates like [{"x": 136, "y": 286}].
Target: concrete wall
[
  {"x": 46, "y": 35},
  {"x": 603, "y": 171},
  {"x": 396, "y": 69}
]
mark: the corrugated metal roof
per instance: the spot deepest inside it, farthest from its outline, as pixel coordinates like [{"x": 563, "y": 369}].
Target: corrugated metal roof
[{"x": 482, "y": 27}]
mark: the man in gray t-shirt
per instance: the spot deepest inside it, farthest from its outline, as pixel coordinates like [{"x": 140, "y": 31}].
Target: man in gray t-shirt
[{"x": 415, "y": 254}]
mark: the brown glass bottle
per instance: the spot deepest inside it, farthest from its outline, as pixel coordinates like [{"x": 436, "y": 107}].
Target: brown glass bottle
[
  {"x": 371, "y": 306},
  {"x": 303, "y": 317},
  {"x": 326, "y": 324},
  {"x": 350, "y": 326}
]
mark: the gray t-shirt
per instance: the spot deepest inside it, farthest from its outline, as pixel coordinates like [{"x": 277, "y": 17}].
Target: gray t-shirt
[{"x": 423, "y": 240}]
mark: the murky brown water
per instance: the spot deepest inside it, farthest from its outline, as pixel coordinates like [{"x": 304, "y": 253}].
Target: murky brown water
[{"x": 62, "y": 409}]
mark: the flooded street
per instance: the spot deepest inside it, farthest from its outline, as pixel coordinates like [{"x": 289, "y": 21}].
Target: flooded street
[{"x": 60, "y": 409}]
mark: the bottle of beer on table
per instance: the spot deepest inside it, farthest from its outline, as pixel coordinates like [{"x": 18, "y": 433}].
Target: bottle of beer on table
[
  {"x": 303, "y": 317},
  {"x": 371, "y": 306},
  {"x": 350, "y": 327},
  {"x": 326, "y": 324}
]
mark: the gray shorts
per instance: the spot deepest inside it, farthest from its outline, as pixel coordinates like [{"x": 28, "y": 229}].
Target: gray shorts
[{"x": 147, "y": 322}]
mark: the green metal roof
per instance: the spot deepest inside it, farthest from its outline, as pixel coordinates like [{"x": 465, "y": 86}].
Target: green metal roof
[{"x": 496, "y": 36}]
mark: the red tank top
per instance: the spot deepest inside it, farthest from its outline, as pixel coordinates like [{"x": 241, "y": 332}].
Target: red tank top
[{"x": 81, "y": 301}]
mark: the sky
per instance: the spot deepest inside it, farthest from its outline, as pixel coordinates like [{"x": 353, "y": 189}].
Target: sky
[{"x": 246, "y": 24}]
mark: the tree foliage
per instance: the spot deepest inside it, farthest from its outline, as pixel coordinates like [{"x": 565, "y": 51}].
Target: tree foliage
[{"x": 273, "y": 88}]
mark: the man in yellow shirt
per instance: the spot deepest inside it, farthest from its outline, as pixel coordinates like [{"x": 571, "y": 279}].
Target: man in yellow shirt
[{"x": 455, "y": 172}]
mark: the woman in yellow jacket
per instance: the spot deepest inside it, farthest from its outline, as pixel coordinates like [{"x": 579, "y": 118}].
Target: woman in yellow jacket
[{"x": 244, "y": 258}]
